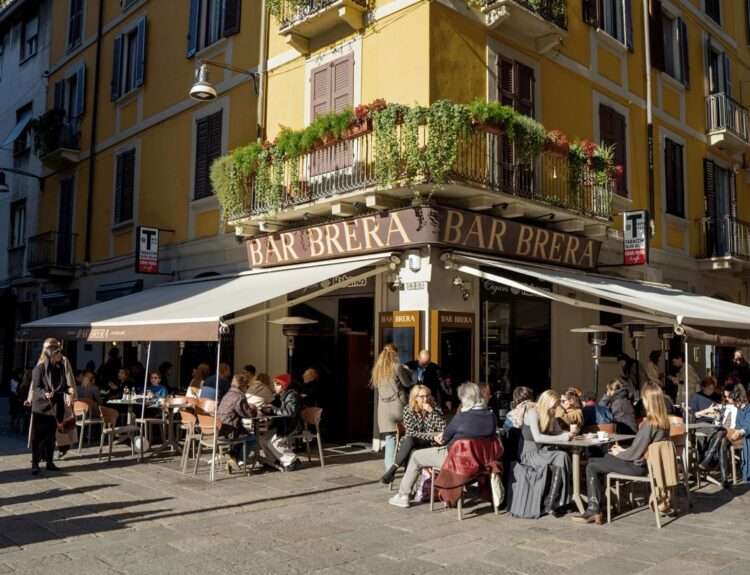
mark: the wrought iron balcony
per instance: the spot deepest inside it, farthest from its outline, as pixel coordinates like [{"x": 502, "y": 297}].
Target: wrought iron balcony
[
  {"x": 302, "y": 20},
  {"x": 51, "y": 254},
  {"x": 57, "y": 139},
  {"x": 727, "y": 124},
  {"x": 540, "y": 24},
  {"x": 486, "y": 165},
  {"x": 724, "y": 244}
]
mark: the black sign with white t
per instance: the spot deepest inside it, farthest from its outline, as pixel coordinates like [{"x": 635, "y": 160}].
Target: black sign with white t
[
  {"x": 147, "y": 250},
  {"x": 635, "y": 237}
]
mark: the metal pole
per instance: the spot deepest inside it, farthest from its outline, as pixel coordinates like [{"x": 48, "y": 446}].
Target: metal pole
[
  {"x": 636, "y": 348},
  {"x": 596, "y": 372},
  {"x": 143, "y": 402},
  {"x": 216, "y": 407}
]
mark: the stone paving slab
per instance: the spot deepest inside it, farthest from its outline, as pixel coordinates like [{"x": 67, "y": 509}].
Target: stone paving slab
[{"x": 130, "y": 518}]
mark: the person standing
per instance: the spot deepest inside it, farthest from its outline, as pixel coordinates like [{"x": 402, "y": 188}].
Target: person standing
[
  {"x": 392, "y": 381},
  {"x": 686, "y": 374},
  {"x": 740, "y": 368},
  {"x": 428, "y": 373},
  {"x": 49, "y": 385},
  {"x": 652, "y": 369},
  {"x": 274, "y": 441}
]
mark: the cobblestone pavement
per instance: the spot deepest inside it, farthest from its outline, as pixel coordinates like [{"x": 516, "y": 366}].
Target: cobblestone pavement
[{"x": 125, "y": 517}]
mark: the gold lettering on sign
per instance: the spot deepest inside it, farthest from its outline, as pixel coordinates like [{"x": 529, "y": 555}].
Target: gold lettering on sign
[
  {"x": 570, "y": 253},
  {"x": 588, "y": 253},
  {"x": 287, "y": 245},
  {"x": 453, "y": 224},
  {"x": 540, "y": 244},
  {"x": 496, "y": 236},
  {"x": 524, "y": 241},
  {"x": 554, "y": 249},
  {"x": 332, "y": 238},
  {"x": 476, "y": 230},
  {"x": 371, "y": 233},
  {"x": 350, "y": 233},
  {"x": 316, "y": 243},
  {"x": 256, "y": 257},
  {"x": 272, "y": 247},
  {"x": 396, "y": 227}
]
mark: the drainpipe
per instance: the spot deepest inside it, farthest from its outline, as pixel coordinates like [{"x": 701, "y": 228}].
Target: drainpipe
[
  {"x": 262, "y": 66},
  {"x": 649, "y": 116},
  {"x": 92, "y": 147}
]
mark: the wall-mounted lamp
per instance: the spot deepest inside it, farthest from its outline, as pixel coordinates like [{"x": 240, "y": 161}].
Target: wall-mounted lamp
[
  {"x": 394, "y": 282},
  {"x": 203, "y": 90}
]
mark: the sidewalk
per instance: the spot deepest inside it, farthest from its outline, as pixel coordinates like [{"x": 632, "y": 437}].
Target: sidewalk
[{"x": 125, "y": 517}]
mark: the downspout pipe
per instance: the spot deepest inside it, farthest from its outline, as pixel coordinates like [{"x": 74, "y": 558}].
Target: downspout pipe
[
  {"x": 649, "y": 114},
  {"x": 263, "y": 72},
  {"x": 92, "y": 146}
]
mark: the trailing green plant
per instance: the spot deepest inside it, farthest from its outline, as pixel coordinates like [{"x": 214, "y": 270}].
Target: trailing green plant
[
  {"x": 387, "y": 145},
  {"x": 528, "y": 136},
  {"x": 445, "y": 124},
  {"x": 414, "y": 160},
  {"x": 483, "y": 112},
  {"x": 230, "y": 188}
]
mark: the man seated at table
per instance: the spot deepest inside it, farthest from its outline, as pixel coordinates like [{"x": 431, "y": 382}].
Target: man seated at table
[
  {"x": 593, "y": 413},
  {"x": 274, "y": 441},
  {"x": 232, "y": 409},
  {"x": 474, "y": 421},
  {"x": 208, "y": 389},
  {"x": 258, "y": 391},
  {"x": 155, "y": 387},
  {"x": 702, "y": 403}
]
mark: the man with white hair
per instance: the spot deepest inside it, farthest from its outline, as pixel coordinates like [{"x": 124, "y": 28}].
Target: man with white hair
[{"x": 474, "y": 421}]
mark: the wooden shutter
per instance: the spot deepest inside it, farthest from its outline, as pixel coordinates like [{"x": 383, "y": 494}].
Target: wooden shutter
[
  {"x": 747, "y": 20},
  {"x": 207, "y": 149},
  {"x": 214, "y": 144},
  {"x": 507, "y": 82},
  {"x": 656, "y": 34},
  {"x": 342, "y": 97},
  {"x": 684, "y": 52},
  {"x": 320, "y": 103},
  {"x": 60, "y": 95},
  {"x": 124, "y": 187},
  {"x": 193, "y": 20},
  {"x": 612, "y": 131},
  {"x": 628, "y": 25},
  {"x": 673, "y": 178},
  {"x": 140, "y": 55},
  {"x": 524, "y": 95},
  {"x": 116, "y": 69},
  {"x": 592, "y": 12},
  {"x": 231, "y": 24},
  {"x": 80, "y": 95},
  {"x": 709, "y": 188},
  {"x": 727, "y": 75}
]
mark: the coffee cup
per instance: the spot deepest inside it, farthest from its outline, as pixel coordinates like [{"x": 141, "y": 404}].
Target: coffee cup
[
  {"x": 602, "y": 435},
  {"x": 574, "y": 428}
]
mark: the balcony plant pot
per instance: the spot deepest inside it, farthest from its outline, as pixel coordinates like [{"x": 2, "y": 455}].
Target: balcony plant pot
[
  {"x": 488, "y": 127},
  {"x": 358, "y": 129}
]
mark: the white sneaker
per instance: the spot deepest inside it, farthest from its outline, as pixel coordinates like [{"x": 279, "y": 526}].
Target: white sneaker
[{"x": 399, "y": 500}]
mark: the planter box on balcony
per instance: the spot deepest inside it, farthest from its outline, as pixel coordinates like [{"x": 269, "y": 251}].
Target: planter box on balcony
[
  {"x": 358, "y": 130},
  {"x": 488, "y": 127},
  {"x": 536, "y": 29},
  {"x": 303, "y": 26}
]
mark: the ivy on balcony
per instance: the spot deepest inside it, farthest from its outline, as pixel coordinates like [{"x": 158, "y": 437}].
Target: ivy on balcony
[{"x": 409, "y": 144}]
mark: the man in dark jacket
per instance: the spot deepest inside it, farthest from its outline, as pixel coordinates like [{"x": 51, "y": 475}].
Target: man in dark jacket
[
  {"x": 740, "y": 368},
  {"x": 428, "y": 373},
  {"x": 474, "y": 421},
  {"x": 274, "y": 441},
  {"x": 617, "y": 400}
]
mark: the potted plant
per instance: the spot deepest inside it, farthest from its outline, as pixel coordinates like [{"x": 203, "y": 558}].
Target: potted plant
[{"x": 556, "y": 143}]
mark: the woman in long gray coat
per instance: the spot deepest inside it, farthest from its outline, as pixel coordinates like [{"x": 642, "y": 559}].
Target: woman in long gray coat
[{"x": 392, "y": 380}]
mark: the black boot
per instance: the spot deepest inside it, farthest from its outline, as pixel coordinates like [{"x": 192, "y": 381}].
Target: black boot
[
  {"x": 593, "y": 513},
  {"x": 723, "y": 465},
  {"x": 552, "y": 501},
  {"x": 713, "y": 448},
  {"x": 389, "y": 475}
]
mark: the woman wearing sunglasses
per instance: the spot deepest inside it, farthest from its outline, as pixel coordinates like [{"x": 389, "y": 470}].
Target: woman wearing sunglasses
[{"x": 423, "y": 420}]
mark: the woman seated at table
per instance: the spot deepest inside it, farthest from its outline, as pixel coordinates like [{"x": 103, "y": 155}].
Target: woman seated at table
[
  {"x": 738, "y": 436},
  {"x": 288, "y": 422},
  {"x": 155, "y": 387},
  {"x": 630, "y": 461},
  {"x": 88, "y": 389},
  {"x": 423, "y": 420},
  {"x": 523, "y": 399},
  {"x": 735, "y": 399},
  {"x": 232, "y": 409},
  {"x": 200, "y": 374},
  {"x": 540, "y": 426},
  {"x": 570, "y": 411},
  {"x": 618, "y": 401}
]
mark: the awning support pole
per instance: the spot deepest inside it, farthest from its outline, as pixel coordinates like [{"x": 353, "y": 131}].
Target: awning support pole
[
  {"x": 687, "y": 411},
  {"x": 216, "y": 407},
  {"x": 143, "y": 403}
]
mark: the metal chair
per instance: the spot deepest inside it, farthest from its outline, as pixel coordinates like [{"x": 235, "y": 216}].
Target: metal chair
[
  {"x": 311, "y": 416},
  {"x": 109, "y": 427},
  {"x": 83, "y": 408},
  {"x": 206, "y": 424}
]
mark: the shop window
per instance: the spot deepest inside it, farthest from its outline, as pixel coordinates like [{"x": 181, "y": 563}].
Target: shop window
[
  {"x": 129, "y": 60},
  {"x": 615, "y": 17},
  {"x": 124, "y": 187},
  {"x": 211, "y": 20},
  {"x": 17, "y": 224},
  {"x": 75, "y": 23},
  {"x": 29, "y": 37},
  {"x": 673, "y": 178},
  {"x": 207, "y": 149},
  {"x": 613, "y": 132}
]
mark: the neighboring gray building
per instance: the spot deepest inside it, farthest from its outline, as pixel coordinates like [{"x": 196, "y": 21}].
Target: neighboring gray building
[{"x": 25, "y": 27}]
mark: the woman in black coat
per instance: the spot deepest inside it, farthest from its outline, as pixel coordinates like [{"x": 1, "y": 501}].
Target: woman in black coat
[{"x": 48, "y": 406}]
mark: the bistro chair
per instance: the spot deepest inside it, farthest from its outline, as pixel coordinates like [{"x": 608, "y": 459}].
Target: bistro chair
[
  {"x": 310, "y": 417},
  {"x": 736, "y": 453},
  {"x": 111, "y": 429},
  {"x": 149, "y": 422},
  {"x": 188, "y": 423},
  {"x": 85, "y": 410},
  {"x": 206, "y": 405},
  {"x": 206, "y": 439}
]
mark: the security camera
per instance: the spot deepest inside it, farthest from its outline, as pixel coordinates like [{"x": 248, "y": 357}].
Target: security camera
[{"x": 466, "y": 294}]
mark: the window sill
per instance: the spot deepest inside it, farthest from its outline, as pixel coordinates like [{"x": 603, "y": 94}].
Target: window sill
[
  {"x": 122, "y": 227},
  {"x": 212, "y": 50},
  {"x": 206, "y": 203},
  {"x": 73, "y": 47},
  {"x": 672, "y": 82},
  {"x": 677, "y": 221},
  {"x": 128, "y": 97},
  {"x": 25, "y": 59},
  {"x": 610, "y": 42}
]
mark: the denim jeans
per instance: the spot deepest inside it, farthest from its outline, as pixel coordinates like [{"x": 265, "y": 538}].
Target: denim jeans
[{"x": 390, "y": 449}]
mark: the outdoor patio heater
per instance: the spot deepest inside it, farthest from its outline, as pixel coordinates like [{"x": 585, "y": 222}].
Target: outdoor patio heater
[
  {"x": 291, "y": 326},
  {"x": 666, "y": 335},
  {"x": 636, "y": 331},
  {"x": 597, "y": 336}
]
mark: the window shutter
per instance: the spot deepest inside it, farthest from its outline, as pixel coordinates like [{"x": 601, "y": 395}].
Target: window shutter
[
  {"x": 140, "y": 64},
  {"x": 192, "y": 37},
  {"x": 684, "y": 52},
  {"x": 612, "y": 131},
  {"x": 201, "y": 158},
  {"x": 673, "y": 178},
  {"x": 592, "y": 12},
  {"x": 80, "y": 96},
  {"x": 506, "y": 73},
  {"x": 727, "y": 76},
  {"x": 747, "y": 20},
  {"x": 679, "y": 179},
  {"x": 656, "y": 34},
  {"x": 116, "y": 68},
  {"x": 342, "y": 97},
  {"x": 60, "y": 95},
  {"x": 320, "y": 94},
  {"x": 75, "y": 22},
  {"x": 629, "y": 25},
  {"x": 709, "y": 203},
  {"x": 525, "y": 93},
  {"x": 118, "y": 190},
  {"x": 231, "y": 17},
  {"x": 214, "y": 146},
  {"x": 128, "y": 185}
]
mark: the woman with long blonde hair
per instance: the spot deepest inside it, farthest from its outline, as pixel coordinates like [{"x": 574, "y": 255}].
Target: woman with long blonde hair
[
  {"x": 200, "y": 374},
  {"x": 630, "y": 461},
  {"x": 539, "y": 428},
  {"x": 391, "y": 380}
]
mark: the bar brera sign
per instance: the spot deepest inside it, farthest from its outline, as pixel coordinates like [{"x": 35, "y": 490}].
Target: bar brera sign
[{"x": 418, "y": 226}]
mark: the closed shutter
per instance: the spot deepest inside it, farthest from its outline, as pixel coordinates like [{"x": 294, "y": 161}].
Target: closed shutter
[
  {"x": 684, "y": 52},
  {"x": 342, "y": 97},
  {"x": 673, "y": 178},
  {"x": 709, "y": 204},
  {"x": 320, "y": 103},
  {"x": 629, "y": 24},
  {"x": 124, "y": 187},
  {"x": 747, "y": 20},
  {"x": 80, "y": 95},
  {"x": 612, "y": 131},
  {"x": 231, "y": 17},
  {"x": 140, "y": 64},
  {"x": 727, "y": 75},
  {"x": 525, "y": 92},
  {"x": 192, "y": 37},
  {"x": 207, "y": 149},
  {"x": 592, "y": 12},
  {"x": 116, "y": 68},
  {"x": 60, "y": 95},
  {"x": 656, "y": 34}
]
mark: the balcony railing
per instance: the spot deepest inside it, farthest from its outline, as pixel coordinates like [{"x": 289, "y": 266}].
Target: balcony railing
[
  {"x": 294, "y": 11},
  {"x": 484, "y": 161},
  {"x": 555, "y": 11},
  {"x": 54, "y": 132},
  {"x": 725, "y": 114},
  {"x": 724, "y": 237},
  {"x": 51, "y": 250}
]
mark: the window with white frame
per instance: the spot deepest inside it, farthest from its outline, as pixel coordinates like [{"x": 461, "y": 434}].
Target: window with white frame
[
  {"x": 669, "y": 48},
  {"x": 129, "y": 60},
  {"x": 615, "y": 17},
  {"x": 124, "y": 187},
  {"x": 211, "y": 20},
  {"x": 29, "y": 37},
  {"x": 75, "y": 23},
  {"x": 22, "y": 142},
  {"x": 17, "y": 224}
]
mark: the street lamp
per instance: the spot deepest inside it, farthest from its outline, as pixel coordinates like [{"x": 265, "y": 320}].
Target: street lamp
[
  {"x": 4, "y": 189},
  {"x": 203, "y": 90},
  {"x": 597, "y": 336}
]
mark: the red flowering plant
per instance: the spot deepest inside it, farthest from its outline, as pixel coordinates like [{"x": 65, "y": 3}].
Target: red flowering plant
[
  {"x": 615, "y": 172},
  {"x": 363, "y": 112},
  {"x": 557, "y": 142}
]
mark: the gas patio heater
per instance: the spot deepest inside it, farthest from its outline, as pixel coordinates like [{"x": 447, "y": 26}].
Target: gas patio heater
[
  {"x": 666, "y": 335},
  {"x": 597, "y": 335},
  {"x": 291, "y": 327},
  {"x": 636, "y": 331}
]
